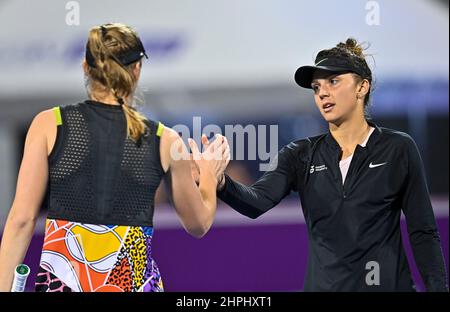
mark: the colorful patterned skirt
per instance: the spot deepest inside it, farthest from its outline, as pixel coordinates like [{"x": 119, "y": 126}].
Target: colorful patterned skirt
[{"x": 97, "y": 258}]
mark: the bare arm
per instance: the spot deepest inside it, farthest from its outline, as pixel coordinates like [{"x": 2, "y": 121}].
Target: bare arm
[
  {"x": 195, "y": 206},
  {"x": 30, "y": 191}
]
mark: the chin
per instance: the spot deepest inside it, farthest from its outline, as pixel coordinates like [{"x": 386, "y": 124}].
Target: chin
[
  {"x": 334, "y": 119},
  {"x": 330, "y": 117}
]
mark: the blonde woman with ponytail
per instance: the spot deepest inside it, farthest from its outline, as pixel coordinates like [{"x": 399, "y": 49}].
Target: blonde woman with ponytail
[{"x": 98, "y": 163}]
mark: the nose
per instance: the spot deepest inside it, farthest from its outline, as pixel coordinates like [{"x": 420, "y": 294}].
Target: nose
[{"x": 323, "y": 92}]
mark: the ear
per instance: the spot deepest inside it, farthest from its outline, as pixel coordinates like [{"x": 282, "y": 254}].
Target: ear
[
  {"x": 137, "y": 69},
  {"x": 363, "y": 88},
  {"x": 85, "y": 66}
]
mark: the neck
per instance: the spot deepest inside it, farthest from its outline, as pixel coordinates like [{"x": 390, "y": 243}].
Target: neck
[
  {"x": 350, "y": 132},
  {"x": 106, "y": 98}
]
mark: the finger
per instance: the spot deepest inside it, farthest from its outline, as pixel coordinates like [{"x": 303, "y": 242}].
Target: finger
[
  {"x": 224, "y": 146},
  {"x": 194, "y": 166},
  {"x": 219, "y": 137},
  {"x": 226, "y": 151},
  {"x": 218, "y": 141},
  {"x": 193, "y": 162},
  {"x": 221, "y": 148},
  {"x": 194, "y": 149},
  {"x": 225, "y": 140},
  {"x": 195, "y": 172},
  {"x": 227, "y": 161},
  {"x": 225, "y": 143},
  {"x": 205, "y": 140}
]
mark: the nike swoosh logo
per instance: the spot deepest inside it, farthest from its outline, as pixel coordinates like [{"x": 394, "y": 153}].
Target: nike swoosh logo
[
  {"x": 321, "y": 61},
  {"x": 376, "y": 165}
]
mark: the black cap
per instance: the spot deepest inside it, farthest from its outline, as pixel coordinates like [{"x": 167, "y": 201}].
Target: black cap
[
  {"x": 126, "y": 58},
  {"x": 336, "y": 65}
]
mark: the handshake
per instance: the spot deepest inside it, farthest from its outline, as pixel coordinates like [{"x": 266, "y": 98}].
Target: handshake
[{"x": 214, "y": 159}]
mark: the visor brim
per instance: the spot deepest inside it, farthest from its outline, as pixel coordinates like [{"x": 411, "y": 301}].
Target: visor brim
[{"x": 304, "y": 75}]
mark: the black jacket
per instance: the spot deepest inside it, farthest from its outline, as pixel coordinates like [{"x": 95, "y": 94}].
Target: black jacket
[{"x": 354, "y": 229}]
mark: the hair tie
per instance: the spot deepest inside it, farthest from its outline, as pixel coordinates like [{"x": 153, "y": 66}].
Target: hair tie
[{"x": 104, "y": 30}]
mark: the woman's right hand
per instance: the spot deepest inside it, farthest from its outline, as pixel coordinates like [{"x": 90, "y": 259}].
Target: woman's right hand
[{"x": 213, "y": 160}]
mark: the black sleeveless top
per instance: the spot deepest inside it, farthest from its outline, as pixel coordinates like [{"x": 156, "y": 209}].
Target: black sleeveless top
[{"x": 96, "y": 174}]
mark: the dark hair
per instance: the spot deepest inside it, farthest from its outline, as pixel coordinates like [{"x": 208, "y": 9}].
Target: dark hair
[{"x": 353, "y": 51}]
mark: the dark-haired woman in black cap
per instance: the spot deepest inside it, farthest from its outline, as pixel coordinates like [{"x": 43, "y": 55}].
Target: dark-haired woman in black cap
[
  {"x": 353, "y": 183},
  {"x": 99, "y": 164}
]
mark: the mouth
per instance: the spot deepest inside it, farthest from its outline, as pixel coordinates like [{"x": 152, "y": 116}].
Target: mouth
[{"x": 328, "y": 107}]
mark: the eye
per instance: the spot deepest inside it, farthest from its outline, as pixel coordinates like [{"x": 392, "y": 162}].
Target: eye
[
  {"x": 315, "y": 88},
  {"x": 334, "y": 81}
]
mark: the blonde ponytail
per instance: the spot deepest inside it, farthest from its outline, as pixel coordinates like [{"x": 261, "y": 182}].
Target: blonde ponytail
[
  {"x": 108, "y": 74},
  {"x": 135, "y": 122}
]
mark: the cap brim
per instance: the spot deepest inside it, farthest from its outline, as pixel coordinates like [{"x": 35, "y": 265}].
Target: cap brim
[{"x": 303, "y": 76}]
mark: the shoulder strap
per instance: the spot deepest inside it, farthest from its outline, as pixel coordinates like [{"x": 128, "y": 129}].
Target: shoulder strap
[
  {"x": 160, "y": 129},
  {"x": 57, "y": 111}
]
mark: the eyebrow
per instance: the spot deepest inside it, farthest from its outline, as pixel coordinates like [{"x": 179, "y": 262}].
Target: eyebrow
[{"x": 327, "y": 77}]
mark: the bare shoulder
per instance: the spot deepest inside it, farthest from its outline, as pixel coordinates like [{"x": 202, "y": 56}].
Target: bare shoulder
[
  {"x": 43, "y": 127},
  {"x": 41, "y": 121},
  {"x": 44, "y": 118},
  {"x": 172, "y": 148},
  {"x": 169, "y": 135},
  {"x": 168, "y": 138}
]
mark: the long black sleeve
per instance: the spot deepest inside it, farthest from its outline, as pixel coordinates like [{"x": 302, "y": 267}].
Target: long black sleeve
[
  {"x": 267, "y": 192},
  {"x": 422, "y": 229}
]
